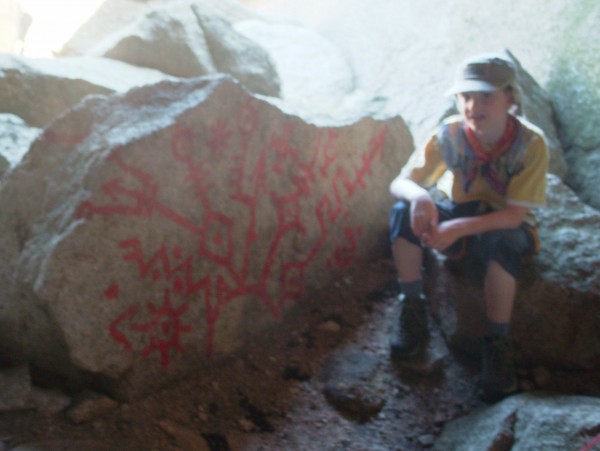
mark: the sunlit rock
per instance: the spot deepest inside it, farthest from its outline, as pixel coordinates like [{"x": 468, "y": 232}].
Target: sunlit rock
[
  {"x": 537, "y": 108},
  {"x": 15, "y": 138},
  {"x": 323, "y": 87},
  {"x": 114, "y": 15},
  {"x": 10, "y": 25},
  {"x": 180, "y": 39}
]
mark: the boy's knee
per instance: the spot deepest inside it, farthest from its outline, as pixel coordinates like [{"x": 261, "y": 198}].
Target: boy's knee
[
  {"x": 400, "y": 208},
  {"x": 506, "y": 247},
  {"x": 400, "y": 221}
]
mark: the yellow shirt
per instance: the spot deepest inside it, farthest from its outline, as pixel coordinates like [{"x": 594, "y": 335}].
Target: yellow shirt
[{"x": 518, "y": 177}]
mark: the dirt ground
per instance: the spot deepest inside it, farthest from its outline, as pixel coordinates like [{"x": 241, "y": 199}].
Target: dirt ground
[{"x": 275, "y": 396}]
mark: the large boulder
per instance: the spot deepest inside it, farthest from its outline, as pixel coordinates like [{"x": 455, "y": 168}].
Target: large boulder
[
  {"x": 146, "y": 232},
  {"x": 40, "y": 89},
  {"x": 522, "y": 423},
  {"x": 197, "y": 44},
  {"x": 583, "y": 173},
  {"x": 114, "y": 15}
]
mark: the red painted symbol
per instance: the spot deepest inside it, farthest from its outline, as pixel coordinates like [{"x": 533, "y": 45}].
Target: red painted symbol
[
  {"x": 589, "y": 446},
  {"x": 213, "y": 261}
]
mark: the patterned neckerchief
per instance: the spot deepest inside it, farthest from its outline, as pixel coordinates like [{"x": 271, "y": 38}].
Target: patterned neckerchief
[
  {"x": 486, "y": 162},
  {"x": 502, "y": 146}
]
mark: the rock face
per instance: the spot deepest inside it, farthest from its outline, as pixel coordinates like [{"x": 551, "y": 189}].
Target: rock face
[
  {"x": 155, "y": 229},
  {"x": 537, "y": 108},
  {"x": 574, "y": 85}
]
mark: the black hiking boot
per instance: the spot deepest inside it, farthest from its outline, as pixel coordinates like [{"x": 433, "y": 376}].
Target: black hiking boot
[
  {"x": 498, "y": 376},
  {"x": 413, "y": 330}
]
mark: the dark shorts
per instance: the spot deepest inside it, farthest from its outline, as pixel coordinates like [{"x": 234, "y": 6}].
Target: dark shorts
[{"x": 511, "y": 248}]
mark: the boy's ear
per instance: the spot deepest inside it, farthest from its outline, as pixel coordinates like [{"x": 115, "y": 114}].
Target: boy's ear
[
  {"x": 513, "y": 98},
  {"x": 515, "y": 106}
]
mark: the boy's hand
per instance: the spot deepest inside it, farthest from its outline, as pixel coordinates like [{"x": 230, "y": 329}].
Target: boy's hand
[
  {"x": 446, "y": 234},
  {"x": 424, "y": 216}
]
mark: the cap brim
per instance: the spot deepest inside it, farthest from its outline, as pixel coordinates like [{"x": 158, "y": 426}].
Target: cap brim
[{"x": 471, "y": 86}]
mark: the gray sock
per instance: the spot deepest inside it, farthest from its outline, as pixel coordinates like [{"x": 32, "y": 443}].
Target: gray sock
[
  {"x": 411, "y": 289},
  {"x": 499, "y": 330}
]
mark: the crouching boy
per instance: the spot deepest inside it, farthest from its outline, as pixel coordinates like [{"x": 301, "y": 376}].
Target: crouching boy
[{"x": 498, "y": 168}]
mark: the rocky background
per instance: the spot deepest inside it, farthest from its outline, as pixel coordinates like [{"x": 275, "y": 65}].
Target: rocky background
[{"x": 160, "y": 216}]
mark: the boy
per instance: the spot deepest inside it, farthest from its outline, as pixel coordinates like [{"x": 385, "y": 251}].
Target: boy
[{"x": 498, "y": 165}]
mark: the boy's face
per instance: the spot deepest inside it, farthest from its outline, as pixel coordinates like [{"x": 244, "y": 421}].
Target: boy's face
[{"x": 485, "y": 113}]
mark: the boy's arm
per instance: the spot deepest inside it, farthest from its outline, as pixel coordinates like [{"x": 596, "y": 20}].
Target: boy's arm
[
  {"x": 423, "y": 212},
  {"x": 423, "y": 169},
  {"x": 403, "y": 188}
]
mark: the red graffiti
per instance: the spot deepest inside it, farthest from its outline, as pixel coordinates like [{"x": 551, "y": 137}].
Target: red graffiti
[
  {"x": 344, "y": 255},
  {"x": 591, "y": 444},
  {"x": 112, "y": 292},
  {"x": 227, "y": 235},
  {"x": 163, "y": 329}
]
